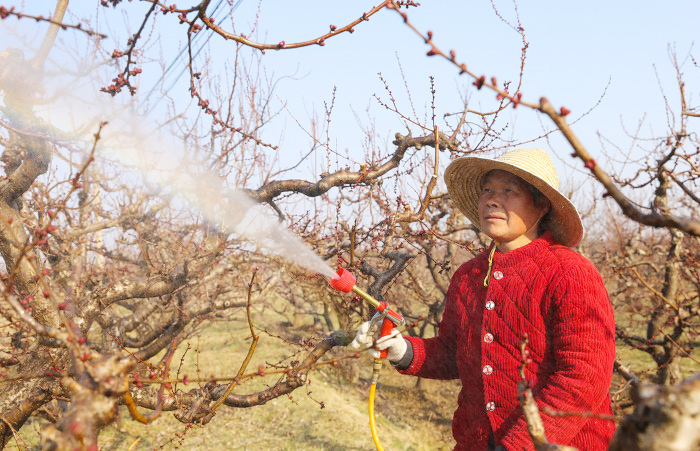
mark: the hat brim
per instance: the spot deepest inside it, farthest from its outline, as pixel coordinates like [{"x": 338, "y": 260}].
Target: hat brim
[{"x": 463, "y": 178}]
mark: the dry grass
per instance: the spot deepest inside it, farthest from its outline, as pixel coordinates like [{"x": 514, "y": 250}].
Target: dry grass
[
  {"x": 408, "y": 418},
  {"x": 405, "y": 419}
]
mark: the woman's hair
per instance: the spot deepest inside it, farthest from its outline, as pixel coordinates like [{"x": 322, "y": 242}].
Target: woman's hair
[{"x": 538, "y": 198}]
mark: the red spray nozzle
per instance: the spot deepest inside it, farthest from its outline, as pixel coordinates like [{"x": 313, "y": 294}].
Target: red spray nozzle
[{"x": 343, "y": 280}]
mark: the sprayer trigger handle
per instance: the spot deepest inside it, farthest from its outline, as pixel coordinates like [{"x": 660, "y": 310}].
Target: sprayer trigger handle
[
  {"x": 387, "y": 327},
  {"x": 397, "y": 319}
]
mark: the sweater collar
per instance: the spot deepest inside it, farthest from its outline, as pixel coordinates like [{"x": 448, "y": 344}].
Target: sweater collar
[{"x": 520, "y": 254}]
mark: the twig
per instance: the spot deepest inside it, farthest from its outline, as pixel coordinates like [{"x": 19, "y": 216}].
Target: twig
[
  {"x": 282, "y": 45},
  {"x": 555, "y": 413},
  {"x": 4, "y": 13},
  {"x": 251, "y": 350},
  {"x": 131, "y": 405},
  {"x": 650, "y": 288},
  {"x": 533, "y": 420}
]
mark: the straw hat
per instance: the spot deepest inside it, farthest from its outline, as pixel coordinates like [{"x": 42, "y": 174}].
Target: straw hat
[{"x": 463, "y": 178}]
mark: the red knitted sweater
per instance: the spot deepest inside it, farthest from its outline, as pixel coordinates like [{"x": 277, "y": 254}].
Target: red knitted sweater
[{"x": 556, "y": 297}]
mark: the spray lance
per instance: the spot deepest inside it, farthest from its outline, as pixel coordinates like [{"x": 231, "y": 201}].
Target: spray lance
[{"x": 344, "y": 281}]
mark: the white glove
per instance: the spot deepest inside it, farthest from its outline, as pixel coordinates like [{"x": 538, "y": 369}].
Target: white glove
[{"x": 394, "y": 343}]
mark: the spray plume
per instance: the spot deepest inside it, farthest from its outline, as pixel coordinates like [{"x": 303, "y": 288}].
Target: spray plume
[
  {"x": 207, "y": 193},
  {"x": 71, "y": 109}
]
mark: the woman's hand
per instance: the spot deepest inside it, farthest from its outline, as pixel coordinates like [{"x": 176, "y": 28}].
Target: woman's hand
[{"x": 366, "y": 337}]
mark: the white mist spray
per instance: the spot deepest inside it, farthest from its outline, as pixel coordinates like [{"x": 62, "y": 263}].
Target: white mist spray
[
  {"x": 207, "y": 194},
  {"x": 72, "y": 111}
]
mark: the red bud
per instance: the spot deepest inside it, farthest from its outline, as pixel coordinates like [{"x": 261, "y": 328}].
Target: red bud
[
  {"x": 77, "y": 429},
  {"x": 516, "y": 99}
]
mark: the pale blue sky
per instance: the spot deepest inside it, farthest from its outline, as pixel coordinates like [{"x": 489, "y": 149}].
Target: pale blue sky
[{"x": 576, "y": 51}]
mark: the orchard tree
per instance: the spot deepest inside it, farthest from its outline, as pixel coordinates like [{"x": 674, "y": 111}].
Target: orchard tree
[
  {"x": 104, "y": 280},
  {"x": 104, "y": 277}
]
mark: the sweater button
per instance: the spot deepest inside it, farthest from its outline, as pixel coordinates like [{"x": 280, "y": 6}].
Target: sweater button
[
  {"x": 498, "y": 275},
  {"x": 487, "y": 369},
  {"x": 490, "y": 406},
  {"x": 488, "y": 338},
  {"x": 490, "y": 305}
]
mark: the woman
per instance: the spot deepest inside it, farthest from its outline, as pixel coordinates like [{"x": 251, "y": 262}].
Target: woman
[{"x": 527, "y": 283}]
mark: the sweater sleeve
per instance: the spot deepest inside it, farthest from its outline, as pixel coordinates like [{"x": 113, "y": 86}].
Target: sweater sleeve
[
  {"x": 435, "y": 358},
  {"x": 583, "y": 333}
]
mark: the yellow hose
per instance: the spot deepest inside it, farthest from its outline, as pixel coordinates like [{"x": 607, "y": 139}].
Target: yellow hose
[
  {"x": 372, "y": 423},
  {"x": 372, "y": 390}
]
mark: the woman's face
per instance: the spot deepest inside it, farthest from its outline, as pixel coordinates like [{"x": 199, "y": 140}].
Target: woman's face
[{"x": 507, "y": 211}]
